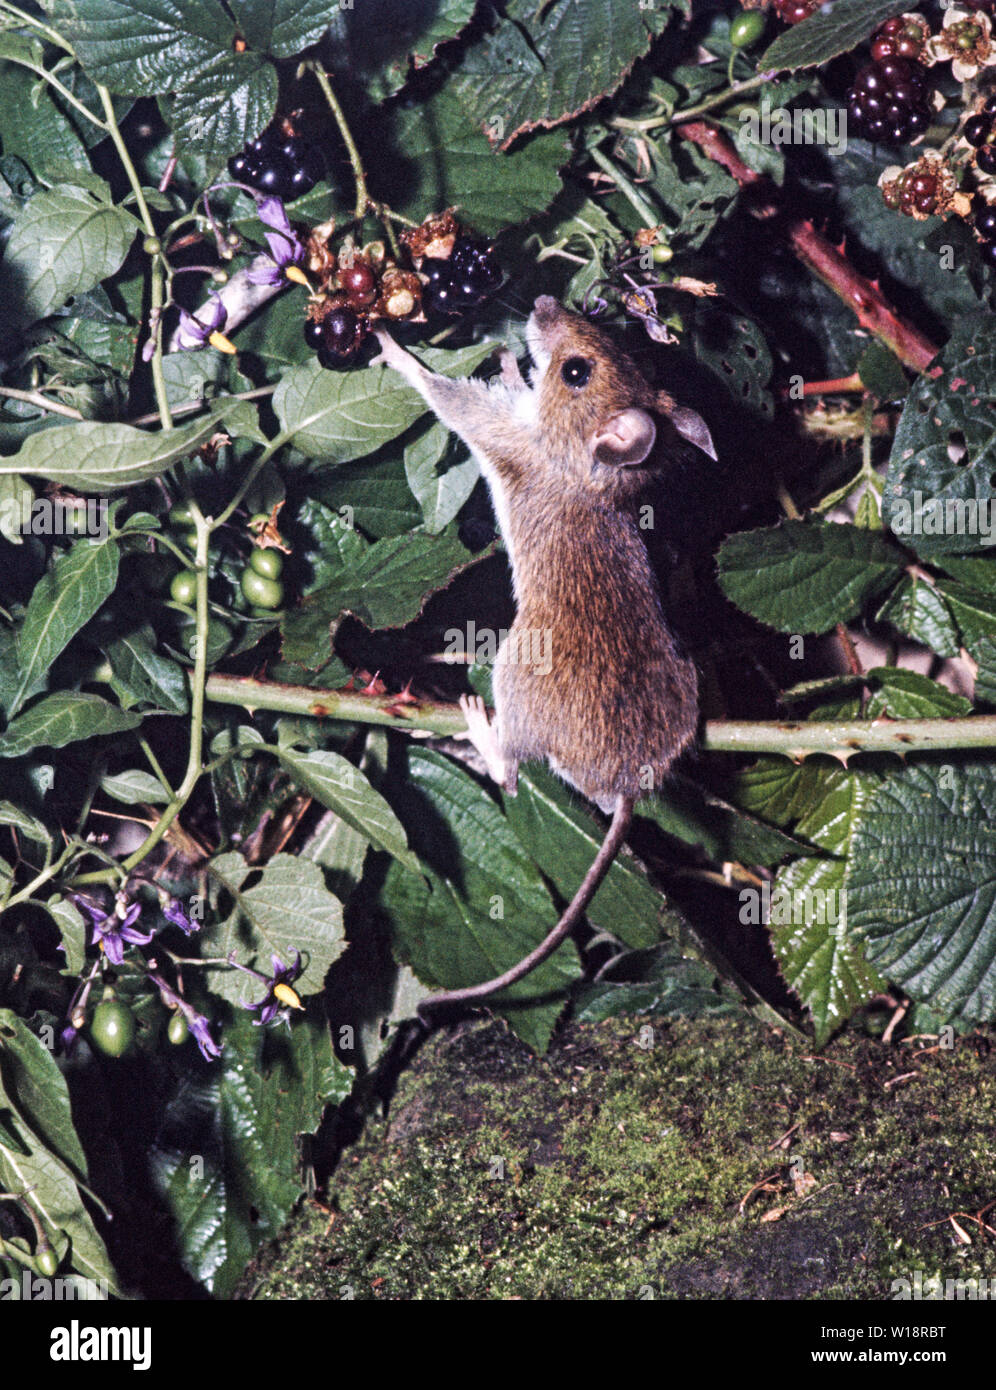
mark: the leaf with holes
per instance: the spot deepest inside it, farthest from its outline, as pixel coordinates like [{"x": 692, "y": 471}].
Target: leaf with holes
[{"x": 734, "y": 350}]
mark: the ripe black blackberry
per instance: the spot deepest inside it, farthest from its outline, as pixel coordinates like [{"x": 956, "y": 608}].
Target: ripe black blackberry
[
  {"x": 278, "y": 163},
  {"x": 463, "y": 281},
  {"x": 890, "y": 100}
]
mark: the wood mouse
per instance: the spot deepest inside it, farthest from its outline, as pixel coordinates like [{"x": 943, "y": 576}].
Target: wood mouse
[{"x": 568, "y": 457}]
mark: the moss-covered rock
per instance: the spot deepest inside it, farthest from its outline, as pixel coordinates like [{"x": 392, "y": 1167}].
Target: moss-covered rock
[{"x": 677, "y": 1160}]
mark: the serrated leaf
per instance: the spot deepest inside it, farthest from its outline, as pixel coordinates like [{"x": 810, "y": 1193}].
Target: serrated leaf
[
  {"x": 143, "y": 676},
  {"x": 452, "y": 162},
  {"x": 266, "y": 1090},
  {"x": 545, "y": 65},
  {"x": 224, "y": 102},
  {"x": 33, "y": 126},
  {"x": 938, "y": 494},
  {"x": 724, "y": 833},
  {"x": 134, "y": 786},
  {"x": 96, "y": 457},
  {"x": 387, "y": 588},
  {"x": 64, "y": 718},
  {"x": 833, "y": 29},
  {"x": 905, "y": 694},
  {"x": 985, "y": 679},
  {"x": 918, "y": 609},
  {"x": 64, "y": 241},
  {"x": 282, "y": 27},
  {"x": 140, "y": 46},
  {"x": 440, "y": 492},
  {"x": 34, "y": 1090},
  {"x": 804, "y": 577},
  {"x": 384, "y": 39},
  {"x": 484, "y": 906},
  {"x": 337, "y": 784},
  {"x": 921, "y": 885},
  {"x": 338, "y": 416},
  {"x": 288, "y": 910},
  {"x": 563, "y": 839},
  {"x": 63, "y": 601},
  {"x": 974, "y": 613}
]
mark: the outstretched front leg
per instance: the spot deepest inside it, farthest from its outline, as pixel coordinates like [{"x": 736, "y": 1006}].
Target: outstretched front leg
[{"x": 484, "y": 737}]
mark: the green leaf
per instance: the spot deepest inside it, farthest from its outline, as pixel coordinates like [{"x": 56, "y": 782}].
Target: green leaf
[
  {"x": 938, "y": 493},
  {"x": 64, "y": 241},
  {"x": 905, "y": 694},
  {"x": 337, "y": 416},
  {"x": 734, "y": 350},
  {"x": 803, "y": 576},
  {"x": 881, "y": 373},
  {"x": 144, "y": 677},
  {"x": 47, "y": 1162},
  {"x": 922, "y": 886},
  {"x": 94, "y": 457},
  {"x": 16, "y": 498},
  {"x": 658, "y": 982},
  {"x": 267, "y": 1089},
  {"x": 283, "y": 27},
  {"x": 64, "y": 599},
  {"x": 33, "y": 126},
  {"x": 440, "y": 492},
  {"x": 224, "y": 102},
  {"x": 343, "y": 788},
  {"x": 72, "y": 929},
  {"x": 24, "y": 823},
  {"x": 919, "y": 611},
  {"x": 563, "y": 839},
  {"x": 484, "y": 906},
  {"x": 64, "y": 718},
  {"x": 974, "y": 613},
  {"x": 288, "y": 910},
  {"x": 452, "y": 162},
  {"x": 389, "y": 587},
  {"x": 385, "y": 39},
  {"x": 724, "y": 833},
  {"x": 139, "y": 47},
  {"x": 826, "y": 34},
  {"x": 134, "y": 786},
  {"x": 544, "y": 65}
]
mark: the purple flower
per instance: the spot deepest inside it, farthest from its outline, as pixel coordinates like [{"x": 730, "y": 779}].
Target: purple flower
[
  {"x": 286, "y": 248},
  {"x": 68, "y": 1039},
  {"x": 174, "y": 912},
  {"x": 279, "y": 994},
  {"x": 111, "y": 931},
  {"x": 199, "y": 1025},
  {"x": 204, "y": 327}
]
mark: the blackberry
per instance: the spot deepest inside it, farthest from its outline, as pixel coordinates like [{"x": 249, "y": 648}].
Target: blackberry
[
  {"x": 360, "y": 283},
  {"x": 977, "y": 129},
  {"x": 890, "y": 100},
  {"x": 280, "y": 164},
  {"x": 314, "y": 334},
  {"x": 985, "y": 220},
  {"x": 342, "y": 334},
  {"x": 899, "y": 38}
]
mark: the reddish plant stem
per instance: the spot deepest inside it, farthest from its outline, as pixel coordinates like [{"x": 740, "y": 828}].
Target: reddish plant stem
[{"x": 863, "y": 297}]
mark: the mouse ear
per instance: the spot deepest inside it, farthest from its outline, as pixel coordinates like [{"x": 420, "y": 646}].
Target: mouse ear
[
  {"x": 691, "y": 426},
  {"x": 626, "y": 438}
]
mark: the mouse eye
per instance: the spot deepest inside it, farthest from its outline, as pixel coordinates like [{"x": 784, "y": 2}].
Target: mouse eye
[{"x": 575, "y": 372}]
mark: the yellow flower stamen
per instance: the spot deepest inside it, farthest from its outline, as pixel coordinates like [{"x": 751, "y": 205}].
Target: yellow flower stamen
[
  {"x": 287, "y": 996},
  {"x": 223, "y": 344}
]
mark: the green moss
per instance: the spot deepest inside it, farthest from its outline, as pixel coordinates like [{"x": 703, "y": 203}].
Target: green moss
[{"x": 721, "y": 1161}]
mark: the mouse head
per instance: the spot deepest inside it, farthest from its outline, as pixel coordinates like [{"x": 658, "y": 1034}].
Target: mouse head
[{"x": 594, "y": 406}]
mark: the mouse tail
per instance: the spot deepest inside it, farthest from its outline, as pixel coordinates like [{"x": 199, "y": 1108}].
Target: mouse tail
[{"x": 614, "y": 837}]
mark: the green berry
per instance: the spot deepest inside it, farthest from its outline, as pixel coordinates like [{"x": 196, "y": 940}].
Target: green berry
[
  {"x": 151, "y": 246},
  {"x": 46, "y": 1261},
  {"x": 112, "y": 1028},
  {"x": 661, "y": 254},
  {"x": 746, "y": 29},
  {"x": 184, "y": 587},
  {"x": 177, "y": 1030},
  {"x": 181, "y": 515},
  {"x": 260, "y": 591},
  {"x": 268, "y": 563}
]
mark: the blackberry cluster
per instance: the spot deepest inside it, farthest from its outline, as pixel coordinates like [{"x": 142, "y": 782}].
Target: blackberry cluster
[
  {"x": 980, "y": 131},
  {"x": 899, "y": 38},
  {"x": 795, "y": 11},
  {"x": 915, "y": 191},
  {"x": 279, "y": 163},
  {"x": 984, "y": 220},
  {"x": 338, "y": 334},
  {"x": 463, "y": 281},
  {"x": 890, "y": 100}
]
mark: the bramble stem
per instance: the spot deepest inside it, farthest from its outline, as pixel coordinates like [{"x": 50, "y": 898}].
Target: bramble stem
[{"x": 362, "y": 197}]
